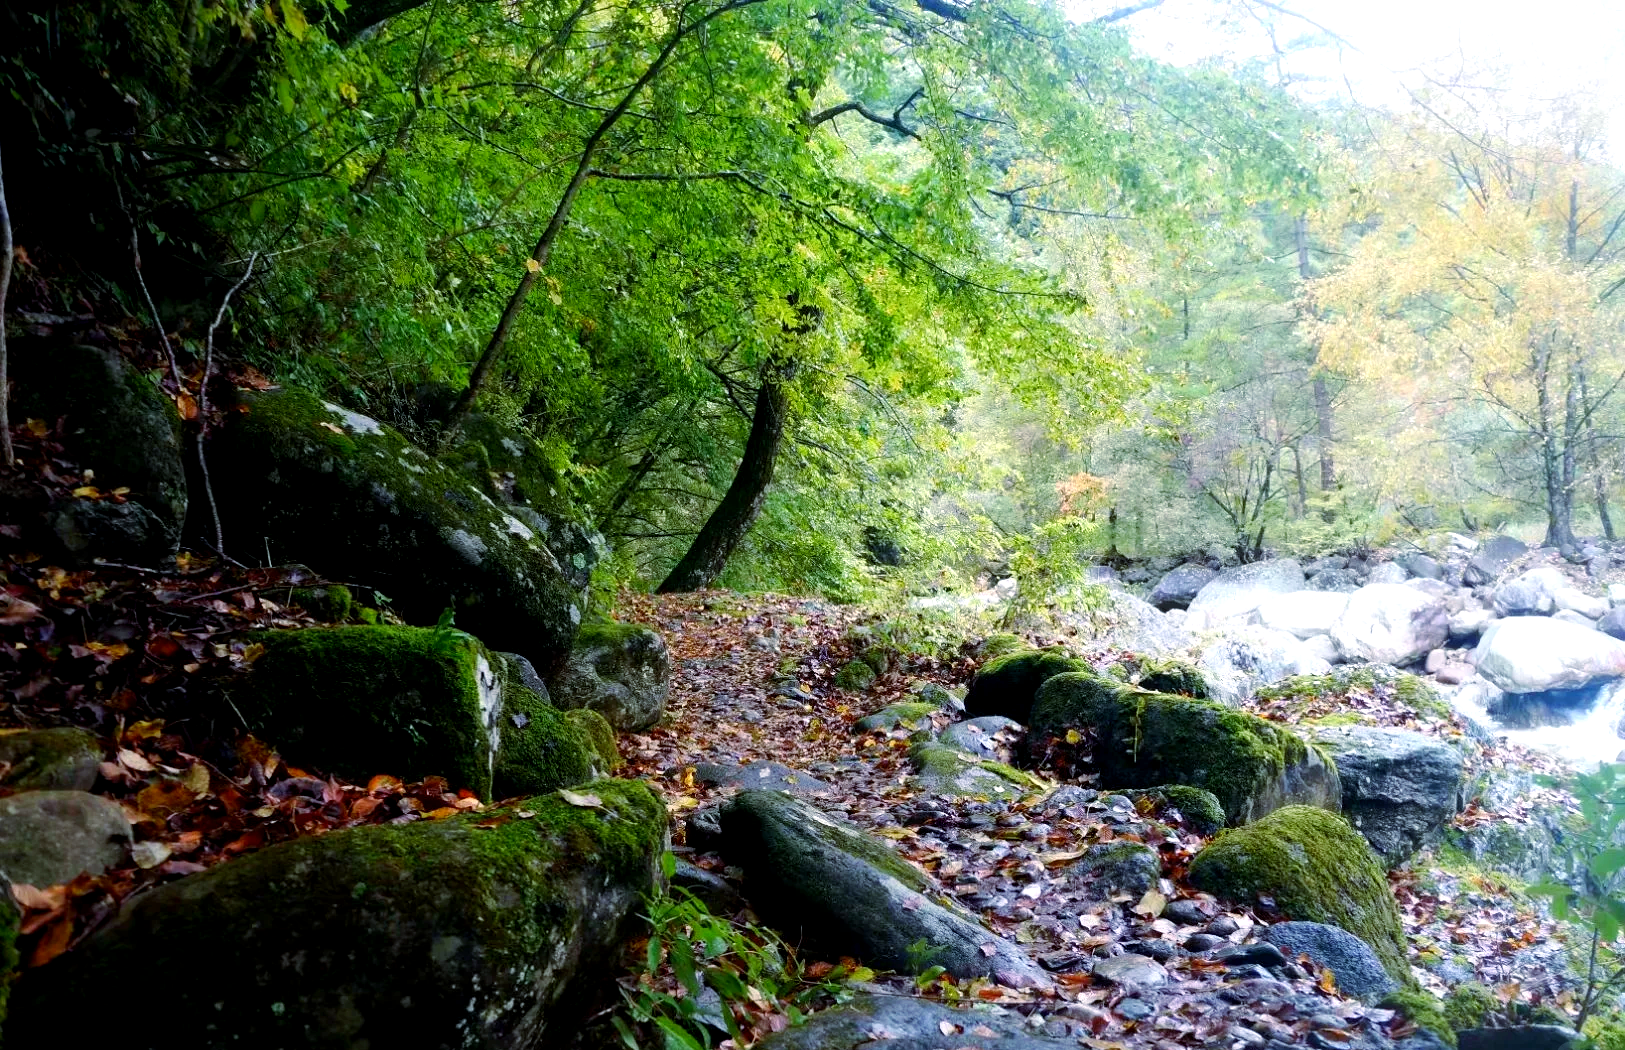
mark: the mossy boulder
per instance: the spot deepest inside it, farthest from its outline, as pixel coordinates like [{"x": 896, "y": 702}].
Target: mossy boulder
[
  {"x": 486, "y": 930},
  {"x": 999, "y": 644},
  {"x": 856, "y": 675},
  {"x": 519, "y": 474},
  {"x": 898, "y": 716},
  {"x": 412, "y": 702},
  {"x": 1423, "y": 1010},
  {"x": 600, "y": 733},
  {"x": 846, "y": 893},
  {"x": 351, "y": 497},
  {"x": 64, "y": 759},
  {"x": 1161, "y": 676},
  {"x": 943, "y": 770},
  {"x": 1117, "y": 867},
  {"x": 1006, "y": 685},
  {"x": 1343, "y": 684},
  {"x": 620, "y": 670},
  {"x": 1313, "y": 866},
  {"x": 1469, "y": 1005},
  {"x": 1142, "y": 739},
  {"x": 120, "y": 425},
  {"x": 331, "y": 602},
  {"x": 1200, "y": 810}
]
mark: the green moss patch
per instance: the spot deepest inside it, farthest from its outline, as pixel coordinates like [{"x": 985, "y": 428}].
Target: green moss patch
[
  {"x": 1007, "y": 684},
  {"x": 596, "y": 728},
  {"x": 905, "y": 716},
  {"x": 1424, "y": 1011},
  {"x": 943, "y": 770},
  {"x": 331, "y": 602},
  {"x": 1311, "y": 865},
  {"x": 1326, "y": 699},
  {"x": 1469, "y": 1005},
  {"x": 856, "y": 676},
  {"x": 1200, "y": 809}
]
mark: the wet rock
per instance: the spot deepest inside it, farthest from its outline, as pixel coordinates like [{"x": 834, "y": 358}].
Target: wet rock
[
  {"x": 1400, "y": 788},
  {"x": 849, "y": 894},
  {"x": 1533, "y": 654},
  {"x": 1198, "y": 943},
  {"x": 1390, "y": 624},
  {"x": 620, "y": 670},
  {"x": 1180, "y": 586},
  {"x": 762, "y": 773},
  {"x": 49, "y": 837},
  {"x": 1520, "y": 1037},
  {"x": 1260, "y": 953},
  {"x": 711, "y": 890},
  {"x": 63, "y": 759},
  {"x": 1187, "y": 912},
  {"x": 1355, "y": 966},
  {"x": 891, "y": 1022}
]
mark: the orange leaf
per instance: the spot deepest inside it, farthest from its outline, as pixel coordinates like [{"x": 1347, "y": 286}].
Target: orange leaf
[
  {"x": 186, "y": 404},
  {"x": 54, "y": 941}
]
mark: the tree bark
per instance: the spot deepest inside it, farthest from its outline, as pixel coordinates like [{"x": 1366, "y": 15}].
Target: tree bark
[
  {"x": 1323, "y": 397},
  {"x": 733, "y": 517}
]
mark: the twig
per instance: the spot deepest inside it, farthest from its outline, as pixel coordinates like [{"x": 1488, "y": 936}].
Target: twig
[
  {"x": 5, "y": 284},
  {"x": 158, "y": 322},
  {"x": 203, "y": 402}
]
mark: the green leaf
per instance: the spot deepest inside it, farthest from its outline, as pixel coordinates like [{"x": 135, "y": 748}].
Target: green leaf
[
  {"x": 294, "y": 19},
  {"x": 1607, "y": 863},
  {"x": 677, "y": 1038},
  {"x": 668, "y": 864}
]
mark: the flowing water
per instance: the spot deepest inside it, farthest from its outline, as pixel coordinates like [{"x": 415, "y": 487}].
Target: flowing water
[{"x": 1589, "y": 740}]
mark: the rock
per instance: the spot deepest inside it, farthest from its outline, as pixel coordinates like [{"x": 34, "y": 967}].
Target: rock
[
  {"x": 1358, "y": 971},
  {"x": 1198, "y": 809},
  {"x": 49, "y": 837},
  {"x": 940, "y": 696},
  {"x": 1467, "y": 625},
  {"x": 1493, "y": 556},
  {"x": 1424, "y": 567},
  {"x": 412, "y": 701},
  {"x": 1259, "y": 953},
  {"x": 1101, "y": 574},
  {"x": 940, "y": 770},
  {"x": 1532, "y": 593},
  {"x": 1179, "y": 587},
  {"x": 713, "y": 891},
  {"x": 1116, "y": 620},
  {"x": 1570, "y": 616},
  {"x": 1533, "y": 654},
  {"x": 1302, "y": 614},
  {"x": 1572, "y": 599},
  {"x": 1455, "y": 673},
  {"x": 901, "y": 1022},
  {"x": 1400, "y": 788},
  {"x": 847, "y": 893},
  {"x": 620, "y": 670},
  {"x": 1432, "y": 588},
  {"x": 899, "y": 716},
  {"x": 120, "y": 425},
  {"x": 49, "y": 759},
  {"x": 1322, "y": 648},
  {"x": 1390, "y": 624},
  {"x": 981, "y": 736},
  {"x": 1146, "y": 739},
  {"x": 1118, "y": 867},
  {"x": 1005, "y": 685},
  {"x": 1237, "y": 592},
  {"x": 1247, "y": 658},
  {"x": 332, "y": 602},
  {"x": 1130, "y": 970},
  {"x": 1519, "y": 1037},
  {"x": 492, "y": 929},
  {"x": 1314, "y": 867},
  {"x": 761, "y": 773},
  {"x": 1613, "y": 623},
  {"x": 1387, "y": 572},
  {"x": 1435, "y": 659},
  {"x": 856, "y": 676},
  {"x": 348, "y": 495},
  {"x": 1344, "y": 580}
]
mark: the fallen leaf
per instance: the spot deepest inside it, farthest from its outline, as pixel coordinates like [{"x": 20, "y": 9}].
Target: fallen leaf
[{"x": 587, "y": 801}]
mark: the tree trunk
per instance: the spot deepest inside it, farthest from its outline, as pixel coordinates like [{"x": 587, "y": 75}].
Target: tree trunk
[
  {"x": 733, "y": 517},
  {"x": 1559, "y": 528},
  {"x": 1323, "y": 397}
]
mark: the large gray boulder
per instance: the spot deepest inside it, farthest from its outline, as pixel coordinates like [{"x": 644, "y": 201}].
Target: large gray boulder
[
  {"x": 620, "y": 670},
  {"x": 1533, "y": 654},
  {"x": 1345, "y": 581},
  {"x": 331, "y": 488},
  {"x": 846, "y": 893},
  {"x": 1117, "y": 620},
  {"x": 1245, "y": 659},
  {"x": 49, "y": 837},
  {"x": 1492, "y": 558},
  {"x": 1388, "y": 623},
  {"x": 1531, "y": 593},
  {"x": 1400, "y": 789},
  {"x": 1179, "y": 587},
  {"x": 1237, "y": 592},
  {"x": 1358, "y": 971},
  {"x": 1303, "y": 614},
  {"x": 900, "y": 1022},
  {"x": 487, "y": 930}
]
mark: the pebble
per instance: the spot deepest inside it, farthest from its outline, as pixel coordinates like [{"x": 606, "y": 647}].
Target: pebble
[
  {"x": 1133, "y": 1009},
  {"x": 1161, "y": 951},
  {"x": 1197, "y": 943},
  {"x": 1223, "y": 926},
  {"x": 1185, "y": 912},
  {"x": 1261, "y": 953},
  {"x": 1130, "y": 970}
]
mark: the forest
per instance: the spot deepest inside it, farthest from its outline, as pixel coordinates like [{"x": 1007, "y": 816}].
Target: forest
[{"x": 805, "y": 524}]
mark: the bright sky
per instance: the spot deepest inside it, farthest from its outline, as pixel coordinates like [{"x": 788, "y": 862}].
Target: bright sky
[{"x": 1549, "y": 48}]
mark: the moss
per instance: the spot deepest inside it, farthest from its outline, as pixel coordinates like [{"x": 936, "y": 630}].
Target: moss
[
  {"x": 609, "y": 634},
  {"x": 1006, "y": 684},
  {"x": 995, "y": 645},
  {"x": 856, "y": 676},
  {"x": 10, "y": 919},
  {"x": 1313, "y": 866},
  {"x": 368, "y": 616},
  {"x": 331, "y": 603},
  {"x": 1469, "y": 1005},
  {"x": 1424, "y": 1011},
  {"x": 61, "y": 759},
  {"x": 1161, "y": 675},
  {"x": 1409, "y": 690},
  {"x": 453, "y": 932},
  {"x": 1201, "y": 811},
  {"x": 597, "y": 729},
  {"x": 945, "y": 770},
  {"x": 906, "y": 716},
  {"x": 1143, "y": 739}
]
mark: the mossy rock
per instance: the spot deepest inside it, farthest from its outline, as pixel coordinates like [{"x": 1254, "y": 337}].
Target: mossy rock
[
  {"x": 331, "y": 603},
  {"x": 1143, "y": 739},
  {"x": 1423, "y": 1010},
  {"x": 600, "y": 733},
  {"x": 63, "y": 759},
  {"x": 1469, "y": 1005},
  {"x": 351, "y": 497},
  {"x": 943, "y": 770},
  {"x": 1174, "y": 677},
  {"x": 1006, "y": 684},
  {"x": 1200, "y": 809},
  {"x": 1313, "y": 866},
  {"x": 995, "y": 645},
  {"x": 412, "y": 702},
  {"x": 489, "y": 929},
  {"x": 897, "y": 716},
  {"x": 1409, "y": 690},
  {"x": 620, "y": 670},
  {"x": 856, "y": 675}
]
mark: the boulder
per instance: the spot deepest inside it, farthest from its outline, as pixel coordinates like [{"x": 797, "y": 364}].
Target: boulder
[
  {"x": 1390, "y": 624},
  {"x": 1322, "y": 648},
  {"x": 1492, "y": 559},
  {"x": 1423, "y": 567},
  {"x": 846, "y": 893},
  {"x": 1141, "y": 739},
  {"x": 1358, "y": 971},
  {"x": 1197, "y": 809},
  {"x": 916, "y": 715},
  {"x": 901, "y": 1022},
  {"x": 1179, "y": 587},
  {"x": 855, "y": 675},
  {"x": 351, "y": 497},
  {"x": 1400, "y": 789},
  {"x": 940, "y": 770},
  {"x": 762, "y": 773},
  {"x": 1431, "y": 588},
  {"x": 1346, "y": 581},
  {"x": 1247, "y": 658},
  {"x": 1387, "y": 572},
  {"x": 412, "y": 702},
  {"x": 1613, "y": 623},
  {"x": 1520, "y": 1037},
  {"x": 983, "y": 737},
  {"x": 1312, "y": 866},
  {"x": 1117, "y": 867},
  {"x": 1533, "y": 654},
  {"x": 1530, "y": 593},
  {"x": 492, "y": 929},
  {"x": 620, "y": 670},
  {"x": 1570, "y": 616},
  {"x": 123, "y": 427},
  {"x": 49, "y": 837},
  {"x": 1111, "y": 619},
  {"x": 1236, "y": 592},
  {"x": 1302, "y": 614},
  {"x": 1468, "y": 624},
  {"x": 1572, "y": 599},
  {"x": 1005, "y": 685},
  {"x": 63, "y": 759}
]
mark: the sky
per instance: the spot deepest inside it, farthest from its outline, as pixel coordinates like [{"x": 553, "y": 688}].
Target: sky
[{"x": 1548, "y": 49}]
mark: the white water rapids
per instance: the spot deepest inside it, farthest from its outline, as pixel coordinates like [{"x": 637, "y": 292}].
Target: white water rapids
[{"x": 1592, "y": 739}]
